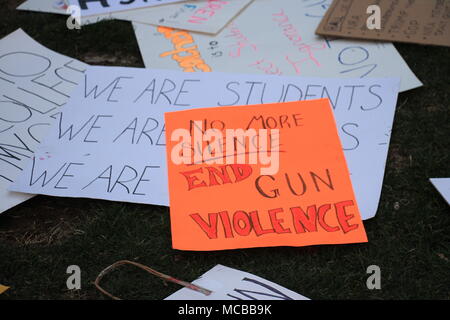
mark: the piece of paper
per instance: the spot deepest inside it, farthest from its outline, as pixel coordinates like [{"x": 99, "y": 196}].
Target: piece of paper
[
  {"x": 60, "y": 7},
  {"x": 273, "y": 37},
  {"x": 281, "y": 181},
  {"x": 418, "y": 21},
  {"x": 91, "y": 7},
  {"x": 208, "y": 16},
  {"x": 443, "y": 186},
  {"x": 128, "y": 105},
  {"x": 34, "y": 83},
  {"x": 232, "y": 284},
  {"x": 50, "y": 6},
  {"x": 3, "y": 288}
]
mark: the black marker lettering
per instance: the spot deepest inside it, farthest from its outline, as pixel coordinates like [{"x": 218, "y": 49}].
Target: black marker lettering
[
  {"x": 228, "y": 87},
  {"x": 181, "y": 91},
  {"x": 93, "y": 126},
  {"x": 380, "y": 99},
  {"x": 57, "y": 186}
]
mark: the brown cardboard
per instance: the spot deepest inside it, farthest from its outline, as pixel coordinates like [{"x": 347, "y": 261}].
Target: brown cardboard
[{"x": 417, "y": 21}]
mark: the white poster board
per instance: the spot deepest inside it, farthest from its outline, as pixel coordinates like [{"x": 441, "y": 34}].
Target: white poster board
[
  {"x": 273, "y": 37},
  {"x": 91, "y": 7},
  {"x": 443, "y": 186},
  {"x": 200, "y": 15},
  {"x": 109, "y": 142},
  {"x": 232, "y": 284},
  {"x": 207, "y": 16},
  {"x": 35, "y": 83}
]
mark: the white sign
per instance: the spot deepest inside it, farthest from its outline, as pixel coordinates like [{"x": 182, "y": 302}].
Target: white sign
[
  {"x": 90, "y": 7},
  {"x": 208, "y": 16},
  {"x": 109, "y": 142},
  {"x": 443, "y": 186},
  {"x": 273, "y": 37},
  {"x": 231, "y": 284},
  {"x": 35, "y": 83}
]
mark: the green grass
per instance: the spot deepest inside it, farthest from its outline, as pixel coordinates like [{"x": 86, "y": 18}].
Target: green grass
[{"x": 409, "y": 238}]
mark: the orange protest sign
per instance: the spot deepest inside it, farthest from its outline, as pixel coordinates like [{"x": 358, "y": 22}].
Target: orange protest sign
[{"x": 259, "y": 176}]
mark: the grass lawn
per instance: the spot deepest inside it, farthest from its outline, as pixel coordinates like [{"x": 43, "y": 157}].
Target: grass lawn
[{"x": 409, "y": 239}]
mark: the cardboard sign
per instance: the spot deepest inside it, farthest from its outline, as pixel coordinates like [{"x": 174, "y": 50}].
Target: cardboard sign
[
  {"x": 50, "y": 6},
  {"x": 418, "y": 21},
  {"x": 3, "y": 288},
  {"x": 61, "y": 7},
  {"x": 110, "y": 136},
  {"x": 232, "y": 284},
  {"x": 208, "y": 16},
  {"x": 222, "y": 195},
  {"x": 443, "y": 186},
  {"x": 276, "y": 38},
  {"x": 35, "y": 83},
  {"x": 91, "y": 7}
]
